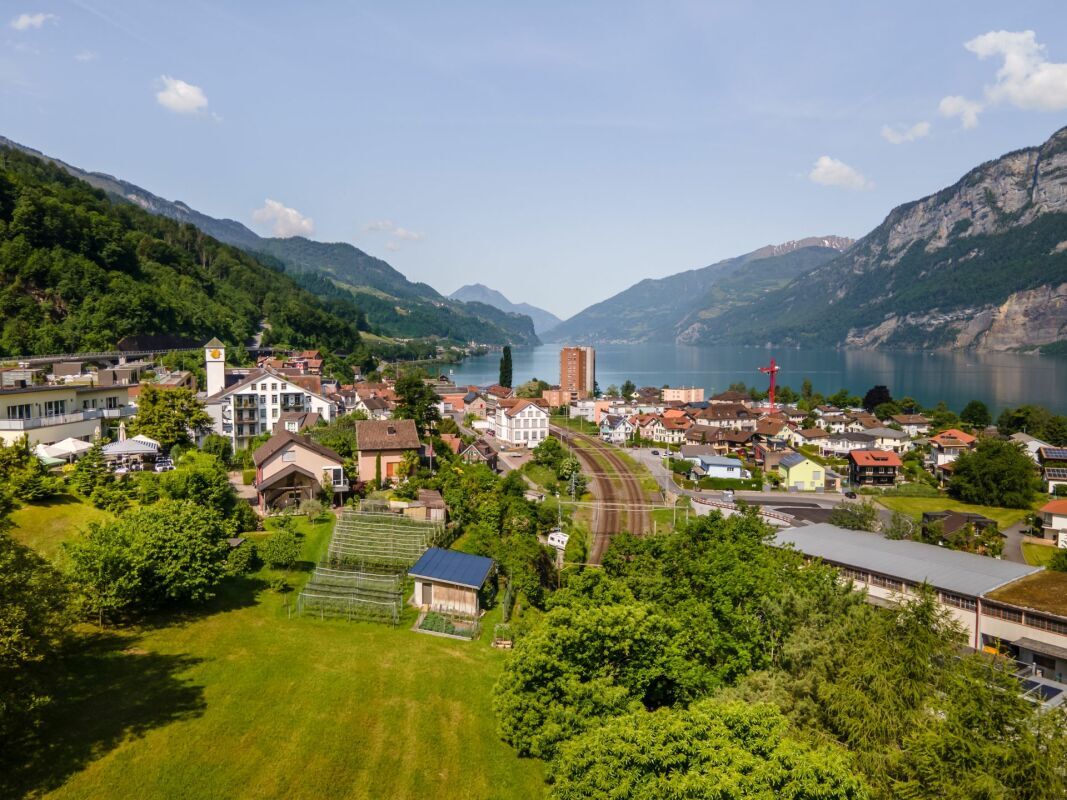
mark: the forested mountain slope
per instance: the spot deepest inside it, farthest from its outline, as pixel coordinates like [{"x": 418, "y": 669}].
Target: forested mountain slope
[
  {"x": 391, "y": 303},
  {"x": 981, "y": 264},
  {"x": 80, "y": 272},
  {"x": 658, "y": 309}
]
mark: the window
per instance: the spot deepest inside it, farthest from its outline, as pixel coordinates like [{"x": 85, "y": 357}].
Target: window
[
  {"x": 263, "y": 413},
  {"x": 20, "y": 411},
  {"x": 274, "y": 387},
  {"x": 290, "y": 426},
  {"x": 1002, "y": 612},
  {"x": 338, "y": 475},
  {"x": 111, "y": 402},
  {"x": 886, "y": 583},
  {"x": 289, "y": 455},
  {"x": 263, "y": 387},
  {"x": 958, "y": 601},
  {"x": 89, "y": 403},
  {"x": 262, "y": 399},
  {"x": 53, "y": 408},
  {"x": 274, "y": 413},
  {"x": 274, "y": 399},
  {"x": 1046, "y": 623},
  {"x": 854, "y": 574}
]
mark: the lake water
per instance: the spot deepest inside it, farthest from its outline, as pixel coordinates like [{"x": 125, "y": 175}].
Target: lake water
[{"x": 998, "y": 379}]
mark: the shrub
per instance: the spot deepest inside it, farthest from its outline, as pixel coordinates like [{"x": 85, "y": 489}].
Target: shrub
[
  {"x": 248, "y": 476},
  {"x": 242, "y": 559}
]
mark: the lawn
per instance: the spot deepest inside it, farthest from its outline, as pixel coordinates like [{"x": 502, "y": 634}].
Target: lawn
[
  {"x": 241, "y": 701},
  {"x": 1038, "y": 555},
  {"x": 45, "y": 526},
  {"x": 915, "y": 506}
]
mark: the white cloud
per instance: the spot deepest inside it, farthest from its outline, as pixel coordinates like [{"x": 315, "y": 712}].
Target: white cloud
[
  {"x": 396, "y": 232},
  {"x": 831, "y": 172},
  {"x": 958, "y": 106},
  {"x": 916, "y": 131},
  {"x": 1026, "y": 78},
  {"x": 23, "y": 22},
  {"x": 85, "y": 55},
  {"x": 181, "y": 97},
  {"x": 284, "y": 221}
]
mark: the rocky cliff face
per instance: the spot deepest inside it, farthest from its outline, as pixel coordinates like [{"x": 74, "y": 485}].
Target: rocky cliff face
[{"x": 981, "y": 264}]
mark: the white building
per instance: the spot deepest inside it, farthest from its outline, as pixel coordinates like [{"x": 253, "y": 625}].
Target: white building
[
  {"x": 616, "y": 429},
  {"x": 246, "y": 403},
  {"x": 523, "y": 423}
]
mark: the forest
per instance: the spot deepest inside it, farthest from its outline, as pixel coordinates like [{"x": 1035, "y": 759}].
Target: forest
[{"x": 79, "y": 272}]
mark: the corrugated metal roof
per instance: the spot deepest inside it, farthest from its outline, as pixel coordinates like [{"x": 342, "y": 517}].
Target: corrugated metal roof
[
  {"x": 951, "y": 570},
  {"x": 452, "y": 566}
]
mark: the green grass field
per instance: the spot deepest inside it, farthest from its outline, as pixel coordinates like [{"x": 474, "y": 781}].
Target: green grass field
[
  {"x": 240, "y": 701},
  {"x": 1037, "y": 555},
  {"x": 915, "y": 506},
  {"x": 45, "y": 526}
]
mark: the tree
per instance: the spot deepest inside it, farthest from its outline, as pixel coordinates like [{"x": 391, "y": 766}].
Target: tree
[
  {"x": 90, "y": 470},
  {"x": 900, "y": 526},
  {"x": 23, "y": 473},
  {"x": 34, "y": 622},
  {"x": 532, "y": 388},
  {"x": 505, "y": 367},
  {"x": 549, "y": 452},
  {"x": 976, "y": 413},
  {"x": 416, "y": 401},
  {"x": 861, "y": 516},
  {"x": 168, "y": 415},
  {"x": 103, "y": 568},
  {"x": 282, "y": 548},
  {"x": 875, "y": 396},
  {"x": 706, "y": 748},
  {"x": 628, "y": 388},
  {"x": 218, "y": 446},
  {"x": 612, "y": 391},
  {"x": 995, "y": 473},
  {"x": 806, "y": 389}
]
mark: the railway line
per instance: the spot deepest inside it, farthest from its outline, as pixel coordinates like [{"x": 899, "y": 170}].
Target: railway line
[{"x": 622, "y": 505}]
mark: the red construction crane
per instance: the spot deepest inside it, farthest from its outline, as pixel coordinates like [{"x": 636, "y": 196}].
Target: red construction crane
[{"x": 771, "y": 370}]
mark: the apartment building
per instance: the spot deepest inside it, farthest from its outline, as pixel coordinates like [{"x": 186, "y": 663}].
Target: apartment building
[
  {"x": 51, "y": 413},
  {"x": 577, "y": 371}
]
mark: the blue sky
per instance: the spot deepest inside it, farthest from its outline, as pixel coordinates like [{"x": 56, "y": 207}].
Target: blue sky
[{"x": 558, "y": 152}]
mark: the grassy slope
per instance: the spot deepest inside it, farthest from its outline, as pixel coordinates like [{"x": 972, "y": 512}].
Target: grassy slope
[
  {"x": 241, "y": 701},
  {"x": 1038, "y": 555},
  {"x": 45, "y": 526},
  {"x": 915, "y": 506}
]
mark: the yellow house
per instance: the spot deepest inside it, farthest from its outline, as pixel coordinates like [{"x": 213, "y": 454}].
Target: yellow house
[{"x": 801, "y": 473}]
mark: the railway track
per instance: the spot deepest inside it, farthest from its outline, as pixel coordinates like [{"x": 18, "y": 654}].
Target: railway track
[{"x": 622, "y": 504}]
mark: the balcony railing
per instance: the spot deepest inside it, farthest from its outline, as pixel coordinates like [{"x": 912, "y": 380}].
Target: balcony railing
[{"x": 65, "y": 419}]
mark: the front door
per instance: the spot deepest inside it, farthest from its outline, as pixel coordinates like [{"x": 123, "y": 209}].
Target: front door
[{"x": 427, "y": 594}]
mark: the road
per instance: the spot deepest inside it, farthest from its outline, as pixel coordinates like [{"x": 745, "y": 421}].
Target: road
[{"x": 622, "y": 504}]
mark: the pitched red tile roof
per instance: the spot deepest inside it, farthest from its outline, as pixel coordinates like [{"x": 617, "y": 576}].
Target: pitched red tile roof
[{"x": 875, "y": 458}]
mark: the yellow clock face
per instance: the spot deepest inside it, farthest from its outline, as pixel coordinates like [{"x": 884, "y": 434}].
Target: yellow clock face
[{"x": 215, "y": 353}]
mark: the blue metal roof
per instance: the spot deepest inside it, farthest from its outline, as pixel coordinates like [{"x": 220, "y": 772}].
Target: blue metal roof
[
  {"x": 790, "y": 460},
  {"x": 452, "y": 566}
]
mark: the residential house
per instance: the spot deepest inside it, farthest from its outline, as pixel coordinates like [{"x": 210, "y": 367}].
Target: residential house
[
  {"x": 672, "y": 429},
  {"x": 296, "y": 421},
  {"x": 387, "y": 440},
  {"x": 558, "y": 398},
  {"x": 889, "y": 439},
  {"x": 524, "y": 423},
  {"x": 647, "y": 426},
  {"x": 711, "y": 466},
  {"x": 1054, "y": 521},
  {"x": 497, "y": 392},
  {"x": 799, "y": 437},
  {"x": 1031, "y": 444},
  {"x": 840, "y": 444},
  {"x": 946, "y": 446},
  {"x": 772, "y": 431},
  {"x": 479, "y": 452},
  {"x": 733, "y": 416},
  {"x": 474, "y": 404},
  {"x": 834, "y": 422},
  {"x": 864, "y": 420},
  {"x": 616, "y": 429},
  {"x": 799, "y": 472},
  {"x": 873, "y": 467},
  {"x": 912, "y": 424},
  {"x": 1053, "y": 461},
  {"x": 291, "y": 468},
  {"x": 950, "y": 522}
]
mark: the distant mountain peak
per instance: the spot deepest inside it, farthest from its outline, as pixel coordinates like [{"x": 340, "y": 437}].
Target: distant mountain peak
[
  {"x": 839, "y": 243},
  {"x": 480, "y": 293}
]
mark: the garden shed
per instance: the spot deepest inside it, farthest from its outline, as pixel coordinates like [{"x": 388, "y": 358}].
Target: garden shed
[{"x": 449, "y": 581}]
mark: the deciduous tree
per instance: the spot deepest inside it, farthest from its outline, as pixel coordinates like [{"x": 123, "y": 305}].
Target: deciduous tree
[{"x": 168, "y": 415}]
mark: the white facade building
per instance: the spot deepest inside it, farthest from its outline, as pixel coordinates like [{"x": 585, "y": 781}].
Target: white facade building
[{"x": 524, "y": 423}]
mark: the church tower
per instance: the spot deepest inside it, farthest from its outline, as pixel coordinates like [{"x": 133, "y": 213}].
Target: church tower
[{"x": 215, "y": 365}]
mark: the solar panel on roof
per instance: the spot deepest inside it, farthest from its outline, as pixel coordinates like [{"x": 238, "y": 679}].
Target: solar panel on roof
[
  {"x": 1047, "y": 692},
  {"x": 1055, "y": 453},
  {"x": 1056, "y": 473}
]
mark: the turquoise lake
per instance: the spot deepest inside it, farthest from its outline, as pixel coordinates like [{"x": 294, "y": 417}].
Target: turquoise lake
[{"x": 998, "y": 379}]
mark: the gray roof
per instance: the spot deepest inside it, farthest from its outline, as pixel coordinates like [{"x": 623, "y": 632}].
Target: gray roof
[
  {"x": 886, "y": 433},
  {"x": 718, "y": 461},
  {"x": 452, "y": 566},
  {"x": 790, "y": 460},
  {"x": 951, "y": 570}
]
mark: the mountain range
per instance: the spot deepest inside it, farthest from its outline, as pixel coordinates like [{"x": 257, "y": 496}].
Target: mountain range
[
  {"x": 981, "y": 264},
  {"x": 480, "y": 293},
  {"x": 660, "y": 309},
  {"x": 391, "y": 303}
]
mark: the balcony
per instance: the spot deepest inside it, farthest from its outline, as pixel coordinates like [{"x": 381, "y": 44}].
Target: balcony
[{"x": 84, "y": 415}]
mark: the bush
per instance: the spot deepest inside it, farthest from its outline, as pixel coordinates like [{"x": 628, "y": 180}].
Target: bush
[
  {"x": 912, "y": 490},
  {"x": 282, "y": 548},
  {"x": 248, "y": 476},
  {"x": 111, "y": 496},
  {"x": 243, "y": 559}
]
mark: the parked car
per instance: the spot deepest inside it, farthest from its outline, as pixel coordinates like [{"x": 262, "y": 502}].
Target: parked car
[
  {"x": 164, "y": 466},
  {"x": 850, "y": 495},
  {"x": 121, "y": 469},
  {"x": 727, "y": 495},
  {"x": 655, "y": 452}
]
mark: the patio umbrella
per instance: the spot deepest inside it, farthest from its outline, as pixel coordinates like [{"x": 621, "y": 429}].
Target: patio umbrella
[{"x": 69, "y": 448}]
